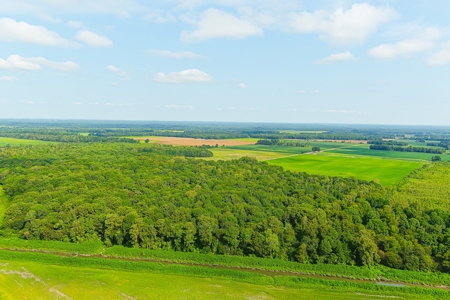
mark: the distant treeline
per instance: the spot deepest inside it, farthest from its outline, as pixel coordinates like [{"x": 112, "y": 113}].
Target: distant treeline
[
  {"x": 389, "y": 142},
  {"x": 286, "y": 143},
  {"x": 407, "y": 149}
]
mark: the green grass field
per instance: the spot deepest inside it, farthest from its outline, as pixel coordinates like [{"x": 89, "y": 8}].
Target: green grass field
[
  {"x": 15, "y": 142},
  {"x": 386, "y": 171},
  {"x": 45, "y": 276}
]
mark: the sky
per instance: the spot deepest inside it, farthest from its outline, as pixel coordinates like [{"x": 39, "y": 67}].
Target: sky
[{"x": 352, "y": 62}]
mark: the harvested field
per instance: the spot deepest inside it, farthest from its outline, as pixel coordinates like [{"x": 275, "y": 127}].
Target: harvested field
[{"x": 177, "y": 141}]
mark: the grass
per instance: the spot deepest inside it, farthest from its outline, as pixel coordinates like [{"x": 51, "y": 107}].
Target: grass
[
  {"x": 225, "y": 153},
  {"x": 386, "y": 171},
  {"x": 46, "y": 276},
  {"x": 15, "y": 142}
]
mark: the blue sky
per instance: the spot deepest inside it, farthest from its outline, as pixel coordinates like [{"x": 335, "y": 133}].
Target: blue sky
[{"x": 372, "y": 62}]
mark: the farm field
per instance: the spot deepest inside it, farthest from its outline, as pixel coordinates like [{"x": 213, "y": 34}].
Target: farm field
[
  {"x": 72, "y": 278},
  {"x": 14, "y": 142},
  {"x": 387, "y": 172},
  {"x": 178, "y": 141}
]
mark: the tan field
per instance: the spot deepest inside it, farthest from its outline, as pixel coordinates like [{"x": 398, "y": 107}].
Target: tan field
[{"x": 178, "y": 141}]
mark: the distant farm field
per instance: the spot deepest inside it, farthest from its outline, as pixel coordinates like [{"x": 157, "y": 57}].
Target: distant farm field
[
  {"x": 178, "y": 141},
  {"x": 386, "y": 171},
  {"x": 14, "y": 142}
]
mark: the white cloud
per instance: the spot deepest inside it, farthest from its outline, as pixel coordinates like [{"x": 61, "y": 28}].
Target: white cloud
[
  {"x": 242, "y": 85},
  {"x": 78, "y": 103},
  {"x": 186, "y": 76},
  {"x": 353, "y": 25},
  {"x": 158, "y": 16},
  {"x": 116, "y": 70},
  {"x": 170, "y": 54},
  {"x": 8, "y": 78},
  {"x": 19, "y": 63},
  {"x": 218, "y": 24},
  {"x": 93, "y": 39},
  {"x": 337, "y": 57},
  {"x": 402, "y": 48},
  {"x": 176, "y": 106},
  {"x": 441, "y": 57},
  {"x": 75, "y": 24},
  {"x": 424, "y": 40},
  {"x": 13, "y": 31}
]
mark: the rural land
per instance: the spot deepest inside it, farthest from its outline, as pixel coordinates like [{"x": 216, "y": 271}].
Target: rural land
[{"x": 191, "y": 210}]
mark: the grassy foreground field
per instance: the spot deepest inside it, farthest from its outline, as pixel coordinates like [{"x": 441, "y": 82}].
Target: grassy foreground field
[
  {"x": 14, "y": 142},
  {"x": 46, "y": 276},
  {"x": 28, "y": 280}
]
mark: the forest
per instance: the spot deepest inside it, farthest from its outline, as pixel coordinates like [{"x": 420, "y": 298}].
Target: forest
[{"x": 164, "y": 197}]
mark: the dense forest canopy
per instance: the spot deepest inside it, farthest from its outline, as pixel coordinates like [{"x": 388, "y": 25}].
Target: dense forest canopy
[{"x": 155, "y": 197}]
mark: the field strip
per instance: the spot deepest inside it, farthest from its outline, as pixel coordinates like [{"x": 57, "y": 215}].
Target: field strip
[
  {"x": 270, "y": 273},
  {"x": 25, "y": 274}
]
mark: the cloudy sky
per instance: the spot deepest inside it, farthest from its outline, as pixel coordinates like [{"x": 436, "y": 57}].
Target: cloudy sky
[{"x": 335, "y": 61}]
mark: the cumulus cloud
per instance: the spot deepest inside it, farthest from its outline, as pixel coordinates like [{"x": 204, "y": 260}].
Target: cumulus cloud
[
  {"x": 170, "y": 54},
  {"x": 341, "y": 26},
  {"x": 116, "y": 70},
  {"x": 13, "y": 31},
  {"x": 8, "y": 78},
  {"x": 441, "y": 57},
  {"x": 186, "y": 76},
  {"x": 424, "y": 41},
  {"x": 93, "y": 39},
  {"x": 402, "y": 48},
  {"x": 337, "y": 57},
  {"x": 214, "y": 23},
  {"x": 18, "y": 63}
]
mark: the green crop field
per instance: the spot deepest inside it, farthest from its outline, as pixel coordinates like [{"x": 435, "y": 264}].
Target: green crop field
[
  {"x": 226, "y": 153},
  {"x": 365, "y": 151},
  {"x": 22, "y": 279},
  {"x": 14, "y": 142},
  {"x": 387, "y": 171}
]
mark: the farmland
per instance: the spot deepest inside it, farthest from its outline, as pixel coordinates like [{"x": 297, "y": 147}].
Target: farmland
[
  {"x": 179, "y": 141},
  {"x": 385, "y": 171},
  {"x": 25, "y": 275},
  {"x": 15, "y": 142}
]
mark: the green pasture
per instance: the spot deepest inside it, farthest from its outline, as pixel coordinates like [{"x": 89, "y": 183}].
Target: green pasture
[
  {"x": 386, "y": 171},
  {"x": 365, "y": 151},
  {"x": 15, "y": 142},
  {"x": 225, "y": 153}
]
